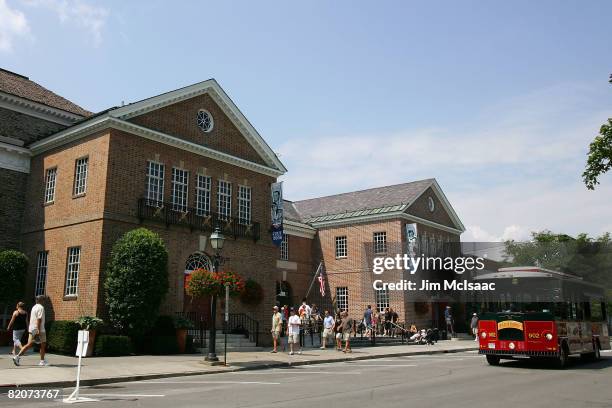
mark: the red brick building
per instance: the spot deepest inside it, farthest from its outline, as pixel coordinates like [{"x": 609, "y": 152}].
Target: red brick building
[{"x": 179, "y": 164}]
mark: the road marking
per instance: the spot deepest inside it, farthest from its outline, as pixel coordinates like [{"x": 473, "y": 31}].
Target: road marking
[
  {"x": 122, "y": 395},
  {"x": 300, "y": 371},
  {"x": 211, "y": 382},
  {"x": 383, "y": 365}
]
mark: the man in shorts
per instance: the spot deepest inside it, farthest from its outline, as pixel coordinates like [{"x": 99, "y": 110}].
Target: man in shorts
[
  {"x": 348, "y": 328},
  {"x": 328, "y": 329},
  {"x": 277, "y": 324},
  {"x": 293, "y": 331},
  {"x": 37, "y": 332}
]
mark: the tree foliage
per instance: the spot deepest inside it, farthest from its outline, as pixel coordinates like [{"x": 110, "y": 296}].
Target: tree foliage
[
  {"x": 136, "y": 281},
  {"x": 13, "y": 270},
  {"x": 590, "y": 258},
  {"x": 599, "y": 160}
]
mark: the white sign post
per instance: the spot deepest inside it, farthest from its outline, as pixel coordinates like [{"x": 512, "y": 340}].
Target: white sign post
[
  {"x": 226, "y": 323},
  {"x": 82, "y": 342}
]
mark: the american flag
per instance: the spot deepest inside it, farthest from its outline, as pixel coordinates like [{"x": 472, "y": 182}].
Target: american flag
[{"x": 322, "y": 282}]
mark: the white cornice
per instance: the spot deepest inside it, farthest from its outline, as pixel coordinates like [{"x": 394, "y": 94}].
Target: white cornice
[
  {"x": 298, "y": 229},
  {"x": 105, "y": 122},
  {"x": 38, "y": 110},
  {"x": 14, "y": 158},
  {"x": 212, "y": 88},
  {"x": 445, "y": 203},
  {"x": 385, "y": 217}
]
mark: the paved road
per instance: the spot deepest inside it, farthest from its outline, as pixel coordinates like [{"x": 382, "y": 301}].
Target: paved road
[{"x": 453, "y": 380}]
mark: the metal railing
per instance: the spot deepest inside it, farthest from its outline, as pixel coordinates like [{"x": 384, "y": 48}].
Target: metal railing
[
  {"x": 241, "y": 323},
  {"x": 199, "y": 330},
  {"x": 171, "y": 214}
]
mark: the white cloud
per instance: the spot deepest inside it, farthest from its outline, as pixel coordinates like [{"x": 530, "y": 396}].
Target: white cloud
[
  {"x": 13, "y": 24},
  {"x": 513, "y": 169},
  {"x": 79, "y": 13}
]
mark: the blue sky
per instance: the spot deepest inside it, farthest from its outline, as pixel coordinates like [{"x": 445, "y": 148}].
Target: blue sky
[{"x": 497, "y": 100}]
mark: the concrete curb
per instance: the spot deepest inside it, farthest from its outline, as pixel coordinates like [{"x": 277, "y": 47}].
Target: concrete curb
[{"x": 111, "y": 380}]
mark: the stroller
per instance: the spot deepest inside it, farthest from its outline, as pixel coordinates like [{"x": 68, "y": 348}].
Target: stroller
[{"x": 432, "y": 336}]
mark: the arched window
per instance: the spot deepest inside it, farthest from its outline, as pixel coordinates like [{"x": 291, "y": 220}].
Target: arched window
[{"x": 198, "y": 260}]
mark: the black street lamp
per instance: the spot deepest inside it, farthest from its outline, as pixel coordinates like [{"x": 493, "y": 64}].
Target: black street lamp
[{"x": 216, "y": 241}]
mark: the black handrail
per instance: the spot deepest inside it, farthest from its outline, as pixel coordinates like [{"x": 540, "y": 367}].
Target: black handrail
[
  {"x": 199, "y": 329},
  {"x": 241, "y": 323},
  {"x": 169, "y": 213}
]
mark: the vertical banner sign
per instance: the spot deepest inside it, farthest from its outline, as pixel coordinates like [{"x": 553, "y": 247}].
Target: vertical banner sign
[
  {"x": 411, "y": 241},
  {"x": 277, "y": 213}
]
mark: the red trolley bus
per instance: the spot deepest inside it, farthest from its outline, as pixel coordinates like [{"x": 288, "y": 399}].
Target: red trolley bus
[{"x": 560, "y": 315}]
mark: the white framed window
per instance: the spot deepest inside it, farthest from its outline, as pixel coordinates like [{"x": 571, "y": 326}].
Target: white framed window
[
  {"x": 382, "y": 299},
  {"x": 205, "y": 120},
  {"x": 73, "y": 267},
  {"x": 284, "y": 248},
  {"x": 41, "y": 273},
  {"x": 50, "y": 178},
  {"x": 342, "y": 298},
  {"x": 341, "y": 250},
  {"x": 180, "y": 188},
  {"x": 155, "y": 183},
  {"x": 80, "y": 176},
  {"x": 244, "y": 205},
  {"x": 380, "y": 242},
  {"x": 203, "y": 184},
  {"x": 224, "y": 200}
]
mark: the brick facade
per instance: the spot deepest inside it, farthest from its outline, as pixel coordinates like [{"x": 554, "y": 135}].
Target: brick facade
[{"x": 12, "y": 200}]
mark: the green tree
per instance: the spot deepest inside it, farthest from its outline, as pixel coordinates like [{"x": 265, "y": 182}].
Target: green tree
[
  {"x": 584, "y": 256},
  {"x": 13, "y": 271},
  {"x": 599, "y": 159},
  {"x": 136, "y": 281}
]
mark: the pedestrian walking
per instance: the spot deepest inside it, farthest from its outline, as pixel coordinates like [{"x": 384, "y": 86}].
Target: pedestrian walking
[
  {"x": 277, "y": 325},
  {"x": 19, "y": 324},
  {"x": 367, "y": 321},
  {"x": 328, "y": 329},
  {"x": 474, "y": 326},
  {"x": 394, "y": 319},
  {"x": 293, "y": 331},
  {"x": 448, "y": 318},
  {"x": 387, "y": 324},
  {"x": 348, "y": 328},
  {"x": 37, "y": 333},
  {"x": 338, "y": 330}
]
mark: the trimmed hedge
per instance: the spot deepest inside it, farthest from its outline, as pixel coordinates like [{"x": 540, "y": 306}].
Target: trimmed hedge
[
  {"x": 161, "y": 345},
  {"x": 62, "y": 336},
  {"x": 13, "y": 270},
  {"x": 113, "y": 346}
]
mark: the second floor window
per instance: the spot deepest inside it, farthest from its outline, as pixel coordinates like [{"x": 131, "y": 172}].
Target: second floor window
[
  {"x": 224, "y": 200},
  {"x": 341, "y": 250},
  {"x": 244, "y": 204},
  {"x": 380, "y": 242},
  {"x": 80, "y": 176},
  {"x": 72, "y": 271},
  {"x": 202, "y": 195},
  {"x": 50, "y": 178},
  {"x": 155, "y": 183},
  {"x": 284, "y": 248},
  {"x": 41, "y": 273},
  {"x": 180, "y": 186}
]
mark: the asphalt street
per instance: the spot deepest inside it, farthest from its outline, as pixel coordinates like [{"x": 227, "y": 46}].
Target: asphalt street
[{"x": 444, "y": 380}]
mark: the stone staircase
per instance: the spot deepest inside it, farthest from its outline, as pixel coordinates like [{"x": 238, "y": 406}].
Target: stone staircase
[{"x": 235, "y": 342}]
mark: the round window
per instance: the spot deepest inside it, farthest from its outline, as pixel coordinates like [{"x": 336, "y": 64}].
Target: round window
[
  {"x": 431, "y": 204},
  {"x": 205, "y": 120}
]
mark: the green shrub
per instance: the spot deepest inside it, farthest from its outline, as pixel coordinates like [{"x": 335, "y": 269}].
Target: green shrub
[
  {"x": 13, "y": 270},
  {"x": 62, "y": 336},
  {"x": 164, "y": 345},
  {"x": 136, "y": 281},
  {"x": 89, "y": 322},
  {"x": 112, "y": 346},
  {"x": 164, "y": 326}
]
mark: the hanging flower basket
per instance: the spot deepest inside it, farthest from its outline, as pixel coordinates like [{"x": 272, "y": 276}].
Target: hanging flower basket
[
  {"x": 203, "y": 283},
  {"x": 252, "y": 293},
  {"x": 421, "y": 307}
]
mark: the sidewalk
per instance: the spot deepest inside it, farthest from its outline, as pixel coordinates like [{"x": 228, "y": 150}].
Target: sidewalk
[{"x": 102, "y": 370}]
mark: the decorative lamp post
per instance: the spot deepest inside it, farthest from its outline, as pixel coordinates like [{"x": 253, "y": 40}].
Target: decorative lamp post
[{"x": 216, "y": 241}]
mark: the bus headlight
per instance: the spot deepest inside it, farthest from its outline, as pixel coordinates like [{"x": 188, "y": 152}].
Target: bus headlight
[
  {"x": 483, "y": 335},
  {"x": 511, "y": 345},
  {"x": 549, "y": 336}
]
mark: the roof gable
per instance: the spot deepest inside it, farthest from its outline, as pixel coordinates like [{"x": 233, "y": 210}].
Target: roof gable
[{"x": 222, "y": 100}]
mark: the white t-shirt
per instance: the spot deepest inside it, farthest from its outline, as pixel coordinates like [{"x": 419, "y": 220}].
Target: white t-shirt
[
  {"x": 38, "y": 312},
  {"x": 294, "y": 324}
]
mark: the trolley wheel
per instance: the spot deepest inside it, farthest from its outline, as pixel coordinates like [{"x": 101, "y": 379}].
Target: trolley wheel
[{"x": 493, "y": 360}]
